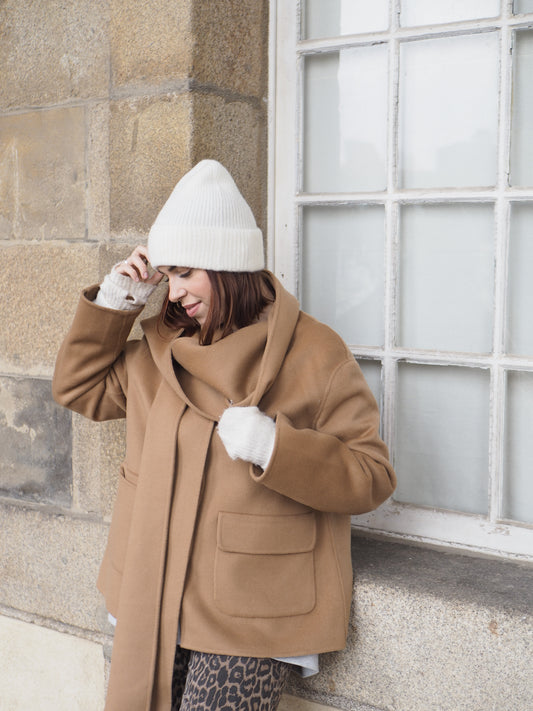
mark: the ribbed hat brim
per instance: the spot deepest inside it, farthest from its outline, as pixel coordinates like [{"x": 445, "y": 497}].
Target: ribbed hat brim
[{"x": 220, "y": 249}]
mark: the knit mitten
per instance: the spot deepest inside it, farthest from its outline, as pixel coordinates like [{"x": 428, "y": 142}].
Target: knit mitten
[
  {"x": 247, "y": 433},
  {"x": 121, "y": 293}
]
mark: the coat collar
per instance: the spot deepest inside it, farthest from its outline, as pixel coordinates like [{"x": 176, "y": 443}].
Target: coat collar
[{"x": 238, "y": 369}]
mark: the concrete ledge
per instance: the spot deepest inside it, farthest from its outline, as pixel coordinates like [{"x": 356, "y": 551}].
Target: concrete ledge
[
  {"x": 431, "y": 631},
  {"x": 293, "y": 703},
  {"x": 488, "y": 582}
]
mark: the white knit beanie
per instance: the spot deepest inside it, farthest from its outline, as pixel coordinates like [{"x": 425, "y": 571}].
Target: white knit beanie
[{"x": 206, "y": 223}]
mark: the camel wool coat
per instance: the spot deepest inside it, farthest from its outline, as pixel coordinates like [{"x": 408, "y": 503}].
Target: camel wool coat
[{"x": 246, "y": 562}]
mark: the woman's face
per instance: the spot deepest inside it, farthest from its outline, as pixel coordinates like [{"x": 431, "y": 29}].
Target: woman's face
[{"x": 192, "y": 288}]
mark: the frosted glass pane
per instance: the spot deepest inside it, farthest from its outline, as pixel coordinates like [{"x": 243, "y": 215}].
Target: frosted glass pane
[
  {"x": 522, "y": 118},
  {"x": 520, "y": 282},
  {"x": 345, "y": 136},
  {"x": 518, "y": 479},
  {"x": 372, "y": 372},
  {"x": 429, "y": 12},
  {"x": 442, "y": 443},
  {"x": 522, "y": 6},
  {"x": 449, "y": 111},
  {"x": 446, "y": 277},
  {"x": 343, "y": 270},
  {"x": 332, "y": 18}
]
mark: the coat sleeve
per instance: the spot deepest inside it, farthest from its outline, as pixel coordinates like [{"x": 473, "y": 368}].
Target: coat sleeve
[
  {"x": 341, "y": 464},
  {"x": 90, "y": 376}
]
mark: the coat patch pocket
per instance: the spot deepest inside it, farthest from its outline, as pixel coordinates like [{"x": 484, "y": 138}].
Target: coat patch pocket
[{"x": 264, "y": 565}]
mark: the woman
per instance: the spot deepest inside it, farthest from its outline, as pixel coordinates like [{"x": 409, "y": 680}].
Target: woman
[{"x": 251, "y": 438}]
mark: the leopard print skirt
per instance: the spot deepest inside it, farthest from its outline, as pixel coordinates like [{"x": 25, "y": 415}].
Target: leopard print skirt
[{"x": 215, "y": 682}]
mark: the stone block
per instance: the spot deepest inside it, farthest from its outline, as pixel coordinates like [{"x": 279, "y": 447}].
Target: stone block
[
  {"x": 36, "y": 462},
  {"x": 42, "y": 175},
  {"x": 231, "y": 48},
  {"x": 53, "y": 51},
  {"x": 149, "y": 152},
  {"x": 157, "y": 45},
  {"x": 48, "y": 670},
  {"x": 98, "y": 171},
  {"x": 38, "y": 299},
  {"x": 50, "y": 563},
  {"x": 234, "y": 133}
]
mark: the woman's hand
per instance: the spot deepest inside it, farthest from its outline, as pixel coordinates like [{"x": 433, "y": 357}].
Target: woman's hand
[
  {"x": 136, "y": 267},
  {"x": 247, "y": 433}
]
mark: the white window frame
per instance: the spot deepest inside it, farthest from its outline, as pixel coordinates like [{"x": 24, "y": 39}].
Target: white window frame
[{"x": 489, "y": 534}]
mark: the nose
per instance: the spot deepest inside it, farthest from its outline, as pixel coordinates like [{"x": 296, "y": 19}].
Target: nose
[{"x": 175, "y": 291}]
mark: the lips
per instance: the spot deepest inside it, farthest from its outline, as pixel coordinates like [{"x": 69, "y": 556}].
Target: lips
[{"x": 191, "y": 309}]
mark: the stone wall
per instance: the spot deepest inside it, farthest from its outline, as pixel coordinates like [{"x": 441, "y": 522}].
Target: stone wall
[{"x": 104, "y": 104}]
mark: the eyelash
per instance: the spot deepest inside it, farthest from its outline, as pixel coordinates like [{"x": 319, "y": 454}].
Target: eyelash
[{"x": 182, "y": 275}]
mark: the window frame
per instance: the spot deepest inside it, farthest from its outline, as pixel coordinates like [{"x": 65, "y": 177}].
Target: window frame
[{"x": 489, "y": 534}]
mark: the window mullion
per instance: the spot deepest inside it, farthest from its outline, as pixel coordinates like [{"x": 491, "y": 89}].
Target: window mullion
[
  {"x": 496, "y": 442},
  {"x": 414, "y": 195},
  {"x": 298, "y": 185},
  {"x": 391, "y": 281},
  {"x": 282, "y": 250},
  {"x": 391, "y": 236},
  {"x": 502, "y": 210}
]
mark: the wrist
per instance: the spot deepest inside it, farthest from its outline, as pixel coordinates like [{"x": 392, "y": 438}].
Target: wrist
[{"x": 121, "y": 293}]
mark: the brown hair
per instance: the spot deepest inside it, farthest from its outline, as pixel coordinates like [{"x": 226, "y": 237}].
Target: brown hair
[{"x": 237, "y": 300}]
